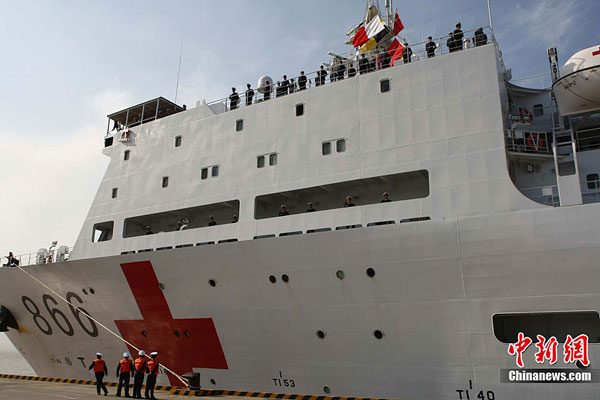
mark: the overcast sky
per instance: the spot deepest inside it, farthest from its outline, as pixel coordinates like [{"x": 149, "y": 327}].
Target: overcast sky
[{"x": 67, "y": 64}]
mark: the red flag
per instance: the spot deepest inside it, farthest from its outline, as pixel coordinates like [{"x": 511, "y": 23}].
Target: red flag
[
  {"x": 360, "y": 38},
  {"x": 395, "y": 51},
  {"x": 397, "y": 25}
]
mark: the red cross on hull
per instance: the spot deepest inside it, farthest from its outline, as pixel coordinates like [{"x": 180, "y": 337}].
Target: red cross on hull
[{"x": 181, "y": 343}]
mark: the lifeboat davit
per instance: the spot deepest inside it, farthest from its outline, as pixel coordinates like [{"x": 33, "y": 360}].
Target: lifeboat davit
[{"x": 578, "y": 89}]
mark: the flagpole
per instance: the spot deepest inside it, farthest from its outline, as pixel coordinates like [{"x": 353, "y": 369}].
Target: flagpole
[{"x": 490, "y": 14}]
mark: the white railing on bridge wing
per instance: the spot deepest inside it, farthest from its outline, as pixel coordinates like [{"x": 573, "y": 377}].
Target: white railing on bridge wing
[{"x": 38, "y": 258}]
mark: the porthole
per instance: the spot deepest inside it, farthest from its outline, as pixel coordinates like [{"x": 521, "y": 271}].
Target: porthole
[
  {"x": 177, "y": 333},
  {"x": 378, "y": 334},
  {"x": 321, "y": 334},
  {"x": 326, "y": 389},
  {"x": 165, "y": 181},
  {"x": 340, "y": 145},
  {"x": 212, "y": 282},
  {"x": 204, "y": 173},
  {"x": 84, "y": 290},
  {"x": 260, "y": 161},
  {"x": 187, "y": 333},
  {"x": 144, "y": 333},
  {"x": 239, "y": 125},
  {"x": 214, "y": 171},
  {"x": 177, "y": 141},
  {"x": 299, "y": 109},
  {"x": 92, "y": 291},
  {"x": 384, "y": 85},
  {"x": 272, "y": 278},
  {"x": 273, "y": 159},
  {"x": 160, "y": 284},
  {"x": 285, "y": 278},
  {"x": 370, "y": 272},
  {"x": 212, "y": 381},
  {"x": 126, "y": 155},
  {"x": 326, "y": 148},
  {"x": 114, "y": 193},
  {"x": 340, "y": 274}
]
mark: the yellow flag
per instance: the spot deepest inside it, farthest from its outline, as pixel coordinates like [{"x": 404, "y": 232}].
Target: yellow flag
[{"x": 369, "y": 45}]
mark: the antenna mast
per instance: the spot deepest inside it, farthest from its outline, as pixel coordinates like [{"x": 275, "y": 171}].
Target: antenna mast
[
  {"x": 178, "y": 71},
  {"x": 490, "y": 14}
]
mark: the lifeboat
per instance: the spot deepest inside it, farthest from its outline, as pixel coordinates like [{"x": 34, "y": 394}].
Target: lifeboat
[{"x": 578, "y": 89}]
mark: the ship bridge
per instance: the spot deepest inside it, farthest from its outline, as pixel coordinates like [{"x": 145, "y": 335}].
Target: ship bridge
[{"x": 141, "y": 113}]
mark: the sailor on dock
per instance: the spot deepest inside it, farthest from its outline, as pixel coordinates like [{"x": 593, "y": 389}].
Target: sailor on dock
[
  {"x": 100, "y": 370},
  {"x": 140, "y": 369},
  {"x": 152, "y": 370},
  {"x": 124, "y": 371}
]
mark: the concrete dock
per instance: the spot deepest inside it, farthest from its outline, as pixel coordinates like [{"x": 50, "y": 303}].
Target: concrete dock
[{"x": 11, "y": 389}]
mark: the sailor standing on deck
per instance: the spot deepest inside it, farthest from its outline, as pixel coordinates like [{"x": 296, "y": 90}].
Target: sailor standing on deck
[
  {"x": 99, "y": 367},
  {"x": 152, "y": 370},
  {"x": 140, "y": 370},
  {"x": 124, "y": 370}
]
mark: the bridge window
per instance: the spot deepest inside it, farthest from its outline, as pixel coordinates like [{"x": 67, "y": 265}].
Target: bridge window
[
  {"x": 239, "y": 125},
  {"x": 114, "y": 193},
  {"x": 404, "y": 186},
  {"x": 197, "y": 217},
  {"x": 547, "y": 324},
  {"x": 538, "y": 110},
  {"x": 126, "y": 155},
  {"x": 326, "y": 148},
  {"x": 340, "y": 145},
  {"x": 214, "y": 171},
  {"x": 165, "y": 181},
  {"x": 103, "y": 231},
  {"x": 299, "y": 109},
  {"x": 177, "y": 141},
  {"x": 260, "y": 161},
  {"x": 384, "y": 85},
  {"x": 204, "y": 173}
]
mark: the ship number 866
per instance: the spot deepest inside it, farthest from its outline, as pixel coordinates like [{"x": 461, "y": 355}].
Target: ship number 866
[{"x": 59, "y": 318}]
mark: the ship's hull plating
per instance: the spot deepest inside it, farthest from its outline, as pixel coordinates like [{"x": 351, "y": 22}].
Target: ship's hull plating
[{"x": 437, "y": 285}]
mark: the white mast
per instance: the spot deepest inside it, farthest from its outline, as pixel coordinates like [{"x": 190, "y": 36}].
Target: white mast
[{"x": 490, "y": 14}]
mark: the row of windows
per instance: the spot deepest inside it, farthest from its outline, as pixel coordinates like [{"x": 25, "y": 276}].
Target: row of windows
[
  {"x": 384, "y": 86},
  {"x": 326, "y": 149},
  {"x": 364, "y": 191}
]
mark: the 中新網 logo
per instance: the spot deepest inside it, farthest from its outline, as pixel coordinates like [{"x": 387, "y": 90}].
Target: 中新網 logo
[{"x": 574, "y": 349}]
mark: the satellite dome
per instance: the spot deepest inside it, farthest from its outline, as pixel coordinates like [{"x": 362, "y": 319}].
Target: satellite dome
[{"x": 262, "y": 82}]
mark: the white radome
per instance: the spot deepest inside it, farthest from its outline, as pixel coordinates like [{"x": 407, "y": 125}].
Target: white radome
[{"x": 262, "y": 82}]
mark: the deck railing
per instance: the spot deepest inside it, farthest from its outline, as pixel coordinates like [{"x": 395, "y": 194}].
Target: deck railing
[
  {"x": 528, "y": 141},
  {"x": 419, "y": 53}
]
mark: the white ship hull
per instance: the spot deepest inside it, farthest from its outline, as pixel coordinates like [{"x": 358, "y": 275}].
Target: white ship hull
[{"x": 437, "y": 285}]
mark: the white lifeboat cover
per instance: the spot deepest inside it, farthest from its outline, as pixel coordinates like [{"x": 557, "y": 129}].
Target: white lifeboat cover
[{"x": 578, "y": 89}]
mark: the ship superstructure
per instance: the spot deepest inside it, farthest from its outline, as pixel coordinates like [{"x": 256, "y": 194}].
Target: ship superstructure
[{"x": 413, "y": 298}]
